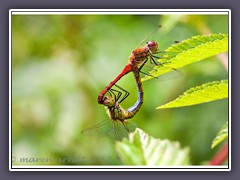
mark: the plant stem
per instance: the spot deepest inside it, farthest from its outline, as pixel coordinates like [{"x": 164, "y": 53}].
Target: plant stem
[{"x": 221, "y": 156}]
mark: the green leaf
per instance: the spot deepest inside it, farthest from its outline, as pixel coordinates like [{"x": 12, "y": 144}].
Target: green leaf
[
  {"x": 189, "y": 51},
  {"x": 142, "y": 149},
  {"x": 221, "y": 135},
  {"x": 208, "y": 92}
]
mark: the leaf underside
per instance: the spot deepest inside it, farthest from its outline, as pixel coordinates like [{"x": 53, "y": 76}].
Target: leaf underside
[
  {"x": 207, "y": 92},
  {"x": 142, "y": 149},
  {"x": 221, "y": 135}
]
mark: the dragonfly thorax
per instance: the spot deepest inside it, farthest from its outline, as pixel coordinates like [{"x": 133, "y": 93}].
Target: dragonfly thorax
[
  {"x": 116, "y": 113},
  {"x": 141, "y": 54}
]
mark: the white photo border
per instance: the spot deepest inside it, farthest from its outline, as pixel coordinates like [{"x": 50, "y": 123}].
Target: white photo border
[{"x": 119, "y": 12}]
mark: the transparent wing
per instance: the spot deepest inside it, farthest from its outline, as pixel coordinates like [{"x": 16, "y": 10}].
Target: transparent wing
[
  {"x": 148, "y": 70},
  {"x": 112, "y": 128}
]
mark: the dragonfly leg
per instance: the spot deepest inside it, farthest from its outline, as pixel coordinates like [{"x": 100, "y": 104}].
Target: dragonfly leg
[
  {"x": 116, "y": 97},
  {"x": 139, "y": 69},
  {"x": 157, "y": 63},
  {"x": 148, "y": 74},
  {"x": 144, "y": 62},
  {"x": 156, "y": 57},
  {"x": 152, "y": 60},
  {"x": 126, "y": 93}
]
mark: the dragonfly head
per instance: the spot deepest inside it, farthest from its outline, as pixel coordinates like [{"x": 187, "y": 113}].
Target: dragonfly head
[
  {"x": 109, "y": 101},
  {"x": 152, "y": 46}
]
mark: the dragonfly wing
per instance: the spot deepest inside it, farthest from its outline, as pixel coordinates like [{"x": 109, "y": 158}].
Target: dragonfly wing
[
  {"x": 98, "y": 129},
  {"x": 171, "y": 73},
  {"x": 112, "y": 128}
]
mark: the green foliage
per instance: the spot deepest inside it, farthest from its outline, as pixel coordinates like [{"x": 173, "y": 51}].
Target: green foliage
[
  {"x": 207, "y": 92},
  {"x": 142, "y": 149},
  {"x": 189, "y": 51},
  {"x": 63, "y": 63},
  {"x": 221, "y": 135}
]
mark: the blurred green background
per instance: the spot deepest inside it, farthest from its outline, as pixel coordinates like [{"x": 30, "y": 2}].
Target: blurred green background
[{"x": 60, "y": 63}]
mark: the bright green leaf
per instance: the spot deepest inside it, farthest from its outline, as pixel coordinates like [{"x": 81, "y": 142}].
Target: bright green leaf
[
  {"x": 189, "y": 51},
  {"x": 222, "y": 134},
  {"x": 142, "y": 149},
  {"x": 201, "y": 94}
]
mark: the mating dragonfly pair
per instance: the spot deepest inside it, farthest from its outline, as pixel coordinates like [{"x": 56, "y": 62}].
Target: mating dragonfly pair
[{"x": 118, "y": 115}]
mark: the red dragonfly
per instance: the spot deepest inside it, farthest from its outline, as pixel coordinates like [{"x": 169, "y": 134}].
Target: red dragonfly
[
  {"x": 116, "y": 113},
  {"x": 138, "y": 58}
]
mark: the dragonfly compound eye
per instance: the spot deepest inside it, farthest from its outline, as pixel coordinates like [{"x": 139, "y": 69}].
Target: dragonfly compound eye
[
  {"x": 108, "y": 101},
  {"x": 152, "y": 46}
]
